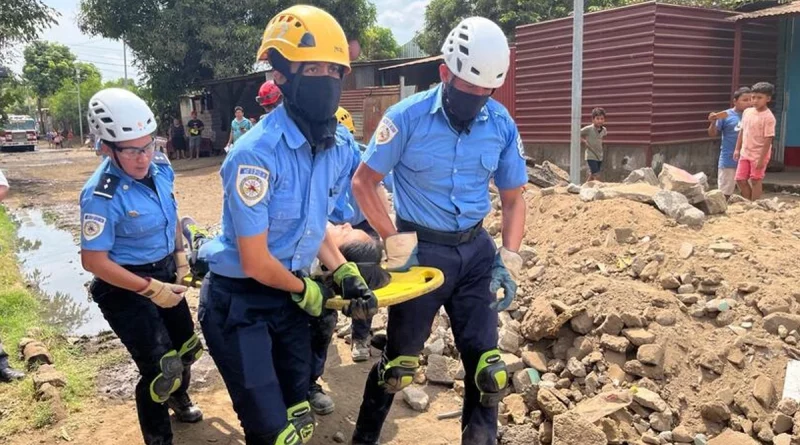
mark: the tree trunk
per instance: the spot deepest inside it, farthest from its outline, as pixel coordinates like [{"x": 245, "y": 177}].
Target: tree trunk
[{"x": 41, "y": 118}]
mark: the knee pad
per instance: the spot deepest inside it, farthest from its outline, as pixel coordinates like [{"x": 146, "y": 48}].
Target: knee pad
[
  {"x": 394, "y": 375},
  {"x": 302, "y": 420},
  {"x": 191, "y": 350},
  {"x": 169, "y": 380},
  {"x": 287, "y": 436},
  {"x": 491, "y": 378}
]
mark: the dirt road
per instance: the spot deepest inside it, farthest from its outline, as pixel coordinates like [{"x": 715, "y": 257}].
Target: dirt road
[{"x": 51, "y": 180}]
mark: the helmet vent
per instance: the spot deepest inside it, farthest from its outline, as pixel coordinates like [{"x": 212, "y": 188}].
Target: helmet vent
[
  {"x": 464, "y": 50},
  {"x": 99, "y": 110},
  {"x": 474, "y": 71},
  {"x": 464, "y": 37},
  {"x": 458, "y": 65},
  {"x": 107, "y": 120},
  {"x": 127, "y": 129},
  {"x": 307, "y": 41},
  {"x": 111, "y": 132},
  {"x": 148, "y": 121},
  {"x": 500, "y": 75}
]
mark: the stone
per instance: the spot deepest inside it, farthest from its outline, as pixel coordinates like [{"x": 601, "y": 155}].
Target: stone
[
  {"x": 574, "y": 189},
  {"x": 691, "y": 216},
  {"x": 48, "y": 374},
  {"x": 665, "y": 318},
  {"x": 665, "y": 437},
  {"x": 737, "y": 199},
  {"x": 416, "y": 398},
  {"x": 670, "y": 202},
  {"x": 612, "y": 325},
  {"x": 515, "y": 406},
  {"x": 714, "y": 203},
  {"x": 338, "y": 437},
  {"x": 702, "y": 179},
  {"x": 576, "y": 368},
  {"x": 715, "y": 411},
  {"x": 764, "y": 391},
  {"x": 722, "y": 248},
  {"x": 524, "y": 379},
  {"x": 765, "y": 433},
  {"x": 771, "y": 304},
  {"x": 788, "y": 406},
  {"x": 681, "y": 434},
  {"x": 782, "y": 423},
  {"x": 772, "y": 321},
  {"x": 782, "y": 439},
  {"x": 712, "y": 362},
  {"x": 439, "y": 371},
  {"x": 548, "y": 191},
  {"x": 572, "y": 429},
  {"x": 535, "y": 359},
  {"x": 677, "y": 180},
  {"x": 624, "y": 235},
  {"x": 639, "y": 192},
  {"x": 650, "y": 354},
  {"x": 646, "y": 175},
  {"x": 588, "y": 194},
  {"x": 546, "y": 432},
  {"x": 669, "y": 282},
  {"x": 632, "y": 320},
  {"x": 550, "y": 405},
  {"x": 508, "y": 341},
  {"x": 582, "y": 323},
  {"x": 685, "y": 250},
  {"x": 650, "y": 438},
  {"x": 690, "y": 299},
  {"x": 615, "y": 343},
  {"x": 435, "y": 347},
  {"x": 616, "y": 374},
  {"x": 685, "y": 289},
  {"x": 730, "y": 437},
  {"x": 661, "y": 421},
  {"x": 535, "y": 273},
  {"x": 637, "y": 368},
  {"x": 649, "y": 399},
  {"x": 650, "y": 271},
  {"x": 539, "y": 320},
  {"x": 547, "y": 175}
]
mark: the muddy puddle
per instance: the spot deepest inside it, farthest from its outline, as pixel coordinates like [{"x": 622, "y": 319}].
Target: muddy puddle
[{"x": 50, "y": 259}]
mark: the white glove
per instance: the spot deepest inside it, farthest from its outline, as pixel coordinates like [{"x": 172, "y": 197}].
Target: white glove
[
  {"x": 163, "y": 294},
  {"x": 183, "y": 266},
  {"x": 401, "y": 251}
]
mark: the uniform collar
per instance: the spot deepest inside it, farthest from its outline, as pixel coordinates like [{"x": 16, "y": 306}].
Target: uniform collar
[
  {"x": 438, "y": 104},
  {"x": 118, "y": 172},
  {"x": 291, "y": 134}
]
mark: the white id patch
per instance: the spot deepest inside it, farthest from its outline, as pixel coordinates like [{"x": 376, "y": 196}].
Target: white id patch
[
  {"x": 252, "y": 184},
  {"x": 520, "y": 147},
  {"x": 386, "y": 131},
  {"x": 92, "y": 226}
]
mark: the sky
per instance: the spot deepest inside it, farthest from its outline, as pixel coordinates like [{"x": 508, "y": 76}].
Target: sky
[{"x": 402, "y": 17}]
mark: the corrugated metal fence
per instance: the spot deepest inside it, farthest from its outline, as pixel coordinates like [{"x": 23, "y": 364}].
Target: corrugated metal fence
[{"x": 353, "y": 101}]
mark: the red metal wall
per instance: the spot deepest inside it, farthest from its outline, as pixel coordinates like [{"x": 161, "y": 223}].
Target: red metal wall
[
  {"x": 353, "y": 101},
  {"x": 657, "y": 69},
  {"x": 506, "y": 94}
]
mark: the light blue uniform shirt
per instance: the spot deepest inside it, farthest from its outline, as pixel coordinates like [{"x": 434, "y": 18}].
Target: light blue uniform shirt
[
  {"x": 441, "y": 177},
  {"x": 240, "y": 128},
  {"x": 347, "y": 209},
  {"x": 272, "y": 182},
  {"x": 126, "y": 218}
]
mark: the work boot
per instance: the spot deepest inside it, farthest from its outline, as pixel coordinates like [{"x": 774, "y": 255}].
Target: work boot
[
  {"x": 359, "y": 350},
  {"x": 321, "y": 403},
  {"x": 192, "y": 232},
  {"x": 363, "y": 439},
  {"x": 8, "y": 374},
  {"x": 185, "y": 410},
  {"x": 378, "y": 341}
]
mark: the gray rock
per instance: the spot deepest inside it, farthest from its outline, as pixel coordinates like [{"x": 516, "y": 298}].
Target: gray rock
[
  {"x": 574, "y": 189},
  {"x": 439, "y": 370},
  {"x": 588, "y": 194},
  {"x": 661, "y": 421},
  {"x": 416, "y": 398},
  {"x": 646, "y": 175},
  {"x": 650, "y": 355},
  {"x": 714, "y": 203},
  {"x": 435, "y": 347},
  {"x": 790, "y": 321},
  {"x": 670, "y": 203},
  {"x": 547, "y": 175},
  {"x": 547, "y": 191},
  {"x": 338, "y": 437},
  {"x": 508, "y": 341},
  {"x": 639, "y": 336},
  {"x": 715, "y": 411},
  {"x": 582, "y": 323},
  {"x": 649, "y": 399},
  {"x": 691, "y": 216},
  {"x": 576, "y": 368},
  {"x": 612, "y": 325},
  {"x": 615, "y": 343}
]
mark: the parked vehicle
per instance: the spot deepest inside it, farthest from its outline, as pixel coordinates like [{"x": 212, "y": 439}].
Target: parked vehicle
[{"x": 19, "y": 134}]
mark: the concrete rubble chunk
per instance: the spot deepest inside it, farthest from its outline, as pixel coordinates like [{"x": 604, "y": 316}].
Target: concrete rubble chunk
[
  {"x": 572, "y": 429},
  {"x": 782, "y": 423},
  {"x": 723, "y": 248},
  {"x": 646, "y": 175},
  {"x": 513, "y": 363},
  {"x": 790, "y": 321},
  {"x": 715, "y": 411},
  {"x": 612, "y": 325},
  {"x": 678, "y": 180},
  {"x": 714, "y": 203},
  {"x": 711, "y": 361},
  {"x": 669, "y": 282},
  {"x": 616, "y": 374},
  {"x": 582, "y": 323},
  {"x": 730, "y": 437},
  {"x": 538, "y": 319},
  {"x": 576, "y": 368},
  {"x": 515, "y": 406},
  {"x": 650, "y": 354},
  {"x": 416, "y": 398},
  {"x": 588, "y": 194},
  {"x": 615, "y": 343},
  {"x": 603, "y": 405},
  {"x": 788, "y": 406},
  {"x": 439, "y": 370},
  {"x": 535, "y": 359},
  {"x": 549, "y": 403},
  {"x": 637, "y": 368},
  {"x": 508, "y": 341},
  {"x": 771, "y": 304},
  {"x": 690, "y": 216},
  {"x": 670, "y": 202},
  {"x": 548, "y": 191},
  {"x": 547, "y": 175},
  {"x": 574, "y": 189},
  {"x": 782, "y": 439},
  {"x": 649, "y": 399},
  {"x": 686, "y": 250},
  {"x": 524, "y": 379},
  {"x": 661, "y": 421},
  {"x": 639, "y": 192},
  {"x": 764, "y": 391},
  {"x": 536, "y": 272},
  {"x": 681, "y": 434},
  {"x": 624, "y": 235}
]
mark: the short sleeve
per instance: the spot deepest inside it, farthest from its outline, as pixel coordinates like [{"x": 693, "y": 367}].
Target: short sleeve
[
  {"x": 388, "y": 143},
  {"x": 769, "y": 126},
  {"x": 98, "y": 219},
  {"x": 246, "y": 181},
  {"x": 585, "y": 131},
  {"x": 720, "y": 123},
  {"x": 511, "y": 171},
  {"x": 3, "y": 180}
]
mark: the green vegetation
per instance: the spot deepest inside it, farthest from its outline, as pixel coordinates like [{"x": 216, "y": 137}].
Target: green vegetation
[{"x": 20, "y": 310}]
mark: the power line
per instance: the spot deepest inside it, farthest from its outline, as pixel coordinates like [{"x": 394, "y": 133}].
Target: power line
[{"x": 101, "y": 63}]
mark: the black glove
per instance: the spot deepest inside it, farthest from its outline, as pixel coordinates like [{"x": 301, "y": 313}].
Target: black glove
[{"x": 363, "y": 303}]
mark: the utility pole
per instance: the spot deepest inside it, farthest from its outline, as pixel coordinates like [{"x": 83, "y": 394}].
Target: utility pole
[
  {"x": 80, "y": 112},
  {"x": 577, "y": 93},
  {"x": 125, "y": 62}
]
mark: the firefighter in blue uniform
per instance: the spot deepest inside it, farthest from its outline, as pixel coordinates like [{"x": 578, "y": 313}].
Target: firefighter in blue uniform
[
  {"x": 131, "y": 242},
  {"x": 280, "y": 183},
  {"x": 444, "y": 146}
]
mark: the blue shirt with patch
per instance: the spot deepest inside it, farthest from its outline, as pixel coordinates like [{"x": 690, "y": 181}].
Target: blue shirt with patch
[
  {"x": 347, "y": 209},
  {"x": 240, "y": 128},
  {"x": 729, "y": 129},
  {"x": 125, "y": 217},
  {"x": 441, "y": 177},
  {"x": 273, "y": 183}
]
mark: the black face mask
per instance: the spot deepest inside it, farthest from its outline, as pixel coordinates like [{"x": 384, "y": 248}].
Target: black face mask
[
  {"x": 462, "y": 106},
  {"x": 312, "y": 102}
]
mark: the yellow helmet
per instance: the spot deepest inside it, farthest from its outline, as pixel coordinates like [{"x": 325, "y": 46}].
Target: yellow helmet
[
  {"x": 304, "y": 33},
  {"x": 344, "y": 118}
]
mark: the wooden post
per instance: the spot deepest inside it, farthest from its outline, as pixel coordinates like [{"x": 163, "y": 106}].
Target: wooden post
[{"x": 737, "y": 56}]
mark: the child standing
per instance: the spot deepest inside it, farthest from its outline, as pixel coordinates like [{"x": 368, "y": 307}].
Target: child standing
[
  {"x": 754, "y": 146},
  {"x": 728, "y": 124},
  {"x": 592, "y": 139}
]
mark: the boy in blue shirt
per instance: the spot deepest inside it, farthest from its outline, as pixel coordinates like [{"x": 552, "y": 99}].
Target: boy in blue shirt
[
  {"x": 728, "y": 124},
  {"x": 239, "y": 126}
]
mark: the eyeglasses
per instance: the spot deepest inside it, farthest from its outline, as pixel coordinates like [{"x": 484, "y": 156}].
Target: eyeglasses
[{"x": 133, "y": 152}]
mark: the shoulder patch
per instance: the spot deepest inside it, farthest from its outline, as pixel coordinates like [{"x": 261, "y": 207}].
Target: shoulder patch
[
  {"x": 252, "y": 184},
  {"x": 520, "y": 147},
  {"x": 92, "y": 226},
  {"x": 386, "y": 131},
  {"x": 107, "y": 186},
  {"x": 160, "y": 158}
]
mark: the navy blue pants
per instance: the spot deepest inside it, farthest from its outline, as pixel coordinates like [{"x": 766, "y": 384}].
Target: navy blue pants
[
  {"x": 3, "y": 356},
  {"x": 148, "y": 332},
  {"x": 260, "y": 341},
  {"x": 466, "y": 298}
]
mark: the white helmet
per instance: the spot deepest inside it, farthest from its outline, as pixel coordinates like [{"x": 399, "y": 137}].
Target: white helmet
[
  {"x": 117, "y": 115},
  {"x": 477, "y": 51}
]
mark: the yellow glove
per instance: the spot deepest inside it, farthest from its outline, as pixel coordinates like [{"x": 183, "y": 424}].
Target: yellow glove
[
  {"x": 183, "y": 266},
  {"x": 164, "y": 295}
]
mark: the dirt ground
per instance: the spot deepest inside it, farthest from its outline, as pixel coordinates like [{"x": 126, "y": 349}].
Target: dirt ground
[
  {"x": 51, "y": 180},
  {"x": 569, "y": 238}
]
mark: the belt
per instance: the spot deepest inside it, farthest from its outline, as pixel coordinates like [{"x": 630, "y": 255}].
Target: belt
[
  {"x": 451, "y": 239},
  {"x": 161, "y": 264}
]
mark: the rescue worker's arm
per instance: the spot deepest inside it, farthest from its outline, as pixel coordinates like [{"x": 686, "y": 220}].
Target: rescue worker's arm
[
  {"x": 181, "y": 261},
  {"x": 259, "y": 264},
  {"x": 101, "y": 266},
  {"x": 513, "y": 205},
  {"x": 372, "y": 200}
]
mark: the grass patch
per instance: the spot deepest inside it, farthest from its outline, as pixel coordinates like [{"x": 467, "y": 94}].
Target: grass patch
[{"x": 20, "y": 310}]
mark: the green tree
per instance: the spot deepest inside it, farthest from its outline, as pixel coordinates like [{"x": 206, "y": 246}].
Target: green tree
[
  {"x": 12, "y": 96},
  {"x": 21, "y": 21},
  {"x": 181, "y": 42},
  {"x": 64, "y": 102},
  {"x": 378, "y": 43},
  {"x": 47, "y": 66}
]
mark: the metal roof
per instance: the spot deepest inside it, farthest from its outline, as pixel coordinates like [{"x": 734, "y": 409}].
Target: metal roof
[
  {"x": 413, "y": 62},
  {"x": 787, "y": 9}
]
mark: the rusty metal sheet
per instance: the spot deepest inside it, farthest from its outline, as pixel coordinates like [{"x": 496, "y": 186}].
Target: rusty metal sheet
[
  {"x": 792, "y": 8},
  {"x": 506, "y": 94},
  {"x": 374, "y": 109}
]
